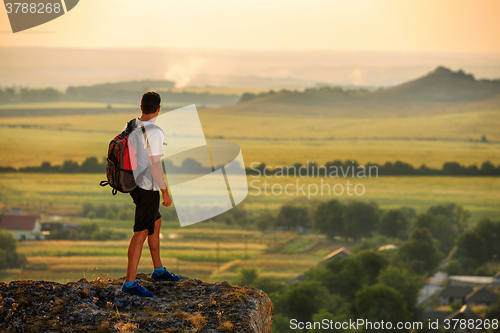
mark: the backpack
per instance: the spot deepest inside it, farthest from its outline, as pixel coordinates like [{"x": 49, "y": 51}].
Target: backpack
[{"x": 122, "y": 161}]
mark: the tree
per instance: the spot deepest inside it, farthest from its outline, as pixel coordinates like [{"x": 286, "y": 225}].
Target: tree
[
  {"x": 110, "y": 215},
  {"x": 488, "y": 169},
  {"x": 9, "y": 258},
  {"x": 70, "y": 166},
  {"x": 421, "y": 251},
  {"x": 471, "y": 245},
  {"x": 347, "y": 276},
  {"x": 86, "y": 208},
  {"x": 264, "y": 221},
  {"x": 373, "y": 262},
  {"x": 360, "y": 219},
  {"x": 291, "y": 217},
  {"x": 267, "y": 285},
  {"x": 281, "y": 324},
  {"x": 329, "y": 219},
  {"x": 302, "y": 300},
  {"x": 453, "y": 267},
  {"x": 441, "y": 228},
  {"x": 489, "y": 231},
  {"x": 461, "y": 216},
  {"x": 394, "y": 223},
  {"x": 92, "y": 165},
  {"x": 380, "y": 302},
  {"x": 409, "y": 212},
  {"x": 406, "y": 283}
]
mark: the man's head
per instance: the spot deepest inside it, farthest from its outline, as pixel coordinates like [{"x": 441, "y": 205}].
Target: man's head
[{"x": 150, "y": 102}]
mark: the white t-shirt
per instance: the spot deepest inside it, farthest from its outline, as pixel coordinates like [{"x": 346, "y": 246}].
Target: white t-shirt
[{"x": 143, "y": 177}]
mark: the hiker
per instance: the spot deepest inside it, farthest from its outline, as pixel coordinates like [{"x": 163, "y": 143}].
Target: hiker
[{"x": 146, "y": 197}]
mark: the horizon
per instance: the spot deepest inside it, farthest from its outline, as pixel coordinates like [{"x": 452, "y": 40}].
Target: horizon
[{"x": 198, "y": 67}]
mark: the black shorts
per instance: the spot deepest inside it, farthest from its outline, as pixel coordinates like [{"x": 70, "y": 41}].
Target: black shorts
[{"x": 147, "y": 209}]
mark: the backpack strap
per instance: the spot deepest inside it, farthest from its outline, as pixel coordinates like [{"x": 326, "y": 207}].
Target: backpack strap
[
  {"x": 131, "y": 125},
  {"x": 148, "y": 147}
]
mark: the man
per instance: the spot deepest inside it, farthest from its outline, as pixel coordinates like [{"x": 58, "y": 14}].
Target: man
[{"x": 147, "y": 198}]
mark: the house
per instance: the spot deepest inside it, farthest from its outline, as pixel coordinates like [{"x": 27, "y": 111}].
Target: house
[
  {"x": 473, "y": 281},
  {"x": 452, "y": 294},
  {"x": 482, "y": 296},
  {"x": 339, "y": 253},
  {"x": 464, "y": 313},
  {"x": 23, "y": 227}
]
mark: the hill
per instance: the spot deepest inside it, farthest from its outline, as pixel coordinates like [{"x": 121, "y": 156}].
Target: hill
[
  {"x": 440, "y": 91},
  {"x": 100, "y": 306}
]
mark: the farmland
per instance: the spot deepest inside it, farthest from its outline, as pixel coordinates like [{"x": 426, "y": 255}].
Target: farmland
[
  {"x": 188, "y": 251},
  {"x": 56, "y": 132},
  {"x": 63, "y": 194},
  {"x": 429, "y": 140}
]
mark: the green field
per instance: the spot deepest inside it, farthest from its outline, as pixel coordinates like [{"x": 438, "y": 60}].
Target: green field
[
  {"x": 188, "y": 251},
  {"x": 63, "y": 194},
  {"x": 429, "y": 140}
]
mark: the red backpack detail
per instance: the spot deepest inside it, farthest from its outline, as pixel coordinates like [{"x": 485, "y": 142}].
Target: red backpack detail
[{"x": 122, "y": 161}]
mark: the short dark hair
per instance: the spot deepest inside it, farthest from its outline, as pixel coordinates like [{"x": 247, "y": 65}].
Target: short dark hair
[{"x": 150, "y": 102}]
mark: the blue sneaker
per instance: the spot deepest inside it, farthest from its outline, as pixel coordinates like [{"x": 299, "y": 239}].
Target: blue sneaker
[
  {"x": 136, "y": 289},
  {"x": 165, "y": 276}
]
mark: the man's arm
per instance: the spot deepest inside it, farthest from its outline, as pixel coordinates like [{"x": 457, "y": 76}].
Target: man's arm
[{"x": 157, "y": 173}]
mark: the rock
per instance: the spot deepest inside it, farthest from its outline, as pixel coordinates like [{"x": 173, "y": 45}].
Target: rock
[{"x": 187, "y": 305}]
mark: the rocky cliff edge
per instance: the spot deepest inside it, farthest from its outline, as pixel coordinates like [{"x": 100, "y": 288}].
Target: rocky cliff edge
[{"x": 187, "y": 305}]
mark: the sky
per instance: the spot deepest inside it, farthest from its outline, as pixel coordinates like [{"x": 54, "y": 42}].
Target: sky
[{"x": 345, "y": 25}]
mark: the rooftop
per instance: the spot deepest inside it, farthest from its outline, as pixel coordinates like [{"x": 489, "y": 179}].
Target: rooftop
[
  {"x": 456, "y": 291},
  {"x": 19, "y": 222},
  {"x": 341, "y": 251},
  {"x": 482, "y": 295}
]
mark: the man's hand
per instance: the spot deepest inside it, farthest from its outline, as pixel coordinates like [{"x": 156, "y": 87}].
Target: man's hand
[{"x": 167, "y": 200}]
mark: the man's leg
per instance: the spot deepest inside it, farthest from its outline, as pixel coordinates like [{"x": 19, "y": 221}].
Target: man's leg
[
  {"x": 134, "y": 253},
  {"x": 154, "y": 245}
]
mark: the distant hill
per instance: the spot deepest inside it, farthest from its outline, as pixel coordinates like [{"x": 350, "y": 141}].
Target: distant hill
[
  {"x": 440, "y": 91},
  {"x": 128, "y": 92},
  {"x": 132, "y": 91},
  {"x": 444, "y": 86}
]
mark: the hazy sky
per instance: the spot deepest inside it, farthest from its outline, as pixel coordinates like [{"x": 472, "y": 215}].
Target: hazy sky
[{"x": 379, "y": 25}]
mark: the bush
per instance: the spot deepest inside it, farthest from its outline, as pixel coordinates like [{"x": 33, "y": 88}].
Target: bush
[
  {"x": 100, "y": 235},
  {"x": 483, "y": 271},
  {"x": 91, "y": 215},
  {"x": 86, "y": 208},
  {"x": 394, "y": 223},
  {"x": 453, "y": 268},
  {"x": 267, "y": 285},
  {"x": 9, "y": 258},
  {"x": 110, "y": 215},
  {"x": 248, "y": 276},
  {"x": 124, "y": 215},
  {"x": 264, "y": 221},
  {"x": 86, "y": 232},
  {"x": 455, "y": 306},
  {"x": 291, "y": 217}
]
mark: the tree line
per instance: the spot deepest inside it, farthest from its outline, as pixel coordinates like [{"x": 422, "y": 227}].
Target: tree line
[
  {"x": 122, "y": 92},
  {"x": 333, "y": 169},
  {"x": 351, "y": 168}
]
